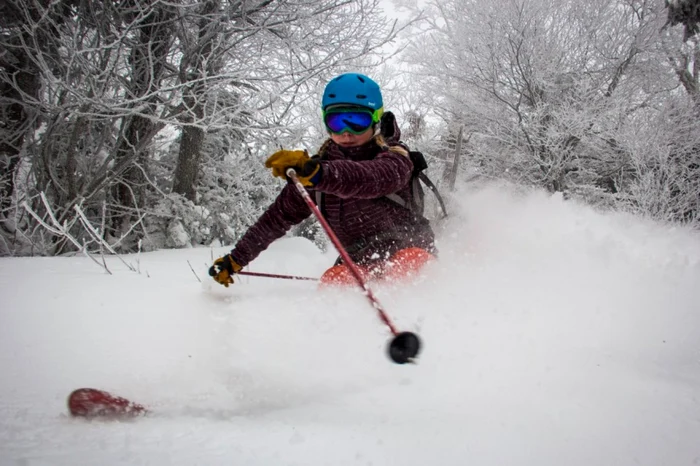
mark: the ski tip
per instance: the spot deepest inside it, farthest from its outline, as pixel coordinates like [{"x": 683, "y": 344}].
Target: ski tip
[{"x": 94, "y": 403}]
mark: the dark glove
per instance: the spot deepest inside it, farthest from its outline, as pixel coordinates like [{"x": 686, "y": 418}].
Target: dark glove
[
  {"x": 310, "y": 173},
  {"x": 308, "y": 170},
  {"x": 223, "y": 270}
]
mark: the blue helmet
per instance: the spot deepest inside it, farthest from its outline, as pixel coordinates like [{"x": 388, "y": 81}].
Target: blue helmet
[{"x": 354, "y": 89}]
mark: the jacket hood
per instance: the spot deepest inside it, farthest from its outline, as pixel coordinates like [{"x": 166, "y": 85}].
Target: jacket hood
[{"x": 389, "y": 128}]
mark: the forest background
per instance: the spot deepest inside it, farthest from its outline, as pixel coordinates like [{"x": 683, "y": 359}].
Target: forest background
[{"x": 133, "y": 125}]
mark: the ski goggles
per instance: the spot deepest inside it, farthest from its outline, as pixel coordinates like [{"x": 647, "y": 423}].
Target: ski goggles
[{"x": 351, "y": 120}]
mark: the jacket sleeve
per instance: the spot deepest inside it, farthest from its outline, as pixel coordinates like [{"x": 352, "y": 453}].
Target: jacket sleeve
[
  {"x": 370, "y": 179},
  {"x": 288, "y": 209}
]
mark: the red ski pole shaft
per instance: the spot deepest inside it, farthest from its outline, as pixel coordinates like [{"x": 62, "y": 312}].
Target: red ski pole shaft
[
  {"x": 274, "y": 275},
  {"x": 341, "y": 250}
]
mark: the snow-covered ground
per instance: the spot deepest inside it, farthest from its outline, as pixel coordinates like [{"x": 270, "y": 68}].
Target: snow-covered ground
[{"x": 553, "y": 335}]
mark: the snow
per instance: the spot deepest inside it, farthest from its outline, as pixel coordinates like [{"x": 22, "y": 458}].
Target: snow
[{"x": 553, "y": 334}]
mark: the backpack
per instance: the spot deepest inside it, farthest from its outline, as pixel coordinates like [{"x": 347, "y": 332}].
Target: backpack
[{"x": 417, "y": 202}]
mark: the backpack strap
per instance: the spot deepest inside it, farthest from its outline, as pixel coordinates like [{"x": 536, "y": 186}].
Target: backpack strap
[
  {"x": 428, "y": 182},
  {"x": 416, "y": 205},
  {"x": 320, "y": 198},
  {"x": 395, "y": 198}
]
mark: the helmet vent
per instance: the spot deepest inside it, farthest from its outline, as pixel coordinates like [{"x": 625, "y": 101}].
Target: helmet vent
[
  {"x": 332, "y": 96},
  {"x": 361, "y": 96},
  {"x": 361, "y": 79}
]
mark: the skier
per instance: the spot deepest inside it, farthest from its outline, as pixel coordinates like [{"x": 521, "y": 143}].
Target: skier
[{"x": 354, "y": 171}]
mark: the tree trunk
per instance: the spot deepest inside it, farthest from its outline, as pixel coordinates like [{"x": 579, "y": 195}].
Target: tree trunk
[
  {"x": 17, "y": 117},
  {"x": 188, "y": 159},
  {"x": 130, "y": 185},
  {"x": 196, "y": 65},
  {"x": 148, "y": 58},
  {"x": 452, "y": 179}
]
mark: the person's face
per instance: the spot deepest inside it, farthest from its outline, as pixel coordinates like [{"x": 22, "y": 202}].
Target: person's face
[{"x": 348, "y": 139}]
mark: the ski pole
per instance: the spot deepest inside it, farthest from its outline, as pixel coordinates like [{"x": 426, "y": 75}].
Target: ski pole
[
  {"x": 274, "y": 275},
  {"x": 404, "y": 346}
]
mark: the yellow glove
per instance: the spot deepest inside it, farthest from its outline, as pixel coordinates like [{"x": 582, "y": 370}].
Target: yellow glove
[
  {"x": 308, "y": 169},
  {"x": 282, "y": 160},
  {"x": 223, "y": 270}
]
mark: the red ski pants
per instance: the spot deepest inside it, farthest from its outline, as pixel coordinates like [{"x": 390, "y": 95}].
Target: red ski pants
[{"x": 401, "y": 265}]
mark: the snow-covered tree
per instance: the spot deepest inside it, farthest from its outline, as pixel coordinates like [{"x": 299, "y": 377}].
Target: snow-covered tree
[
  {"x": 89, "y": 88},
  {"x": 549, "y": 92}
]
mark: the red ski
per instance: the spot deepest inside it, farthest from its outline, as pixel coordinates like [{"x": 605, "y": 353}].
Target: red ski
[{"x": 92, "y": 403}]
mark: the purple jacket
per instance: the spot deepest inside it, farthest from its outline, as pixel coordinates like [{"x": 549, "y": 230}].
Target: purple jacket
[{"x": 354, "y": 183}]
